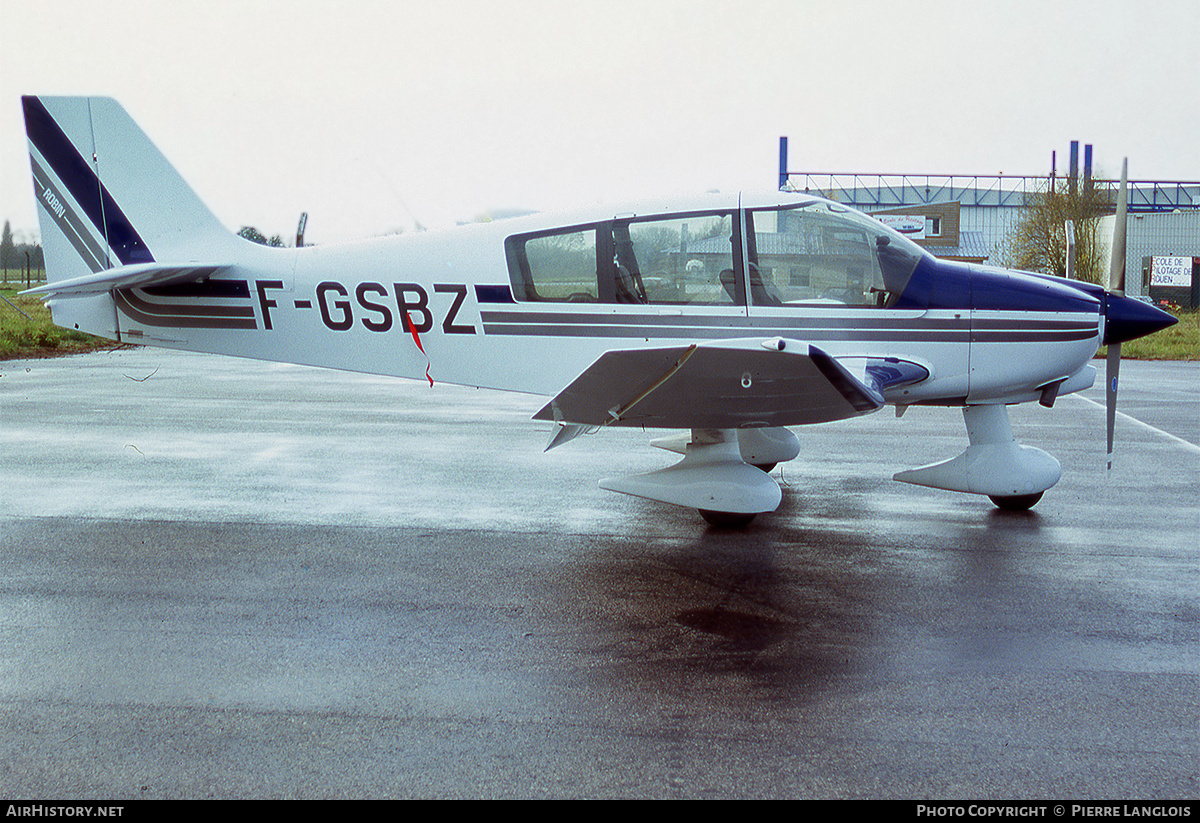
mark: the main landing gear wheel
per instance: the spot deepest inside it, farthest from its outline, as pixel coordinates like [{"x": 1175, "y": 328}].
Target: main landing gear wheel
[
  {"x": 727, "y": 520},
  {"x": 1016, "y": 503}
]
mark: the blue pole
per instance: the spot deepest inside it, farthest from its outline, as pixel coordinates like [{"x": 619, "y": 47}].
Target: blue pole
[
  {"x": 1074, "y": 164},
  {"x": 783, "y": 170}
]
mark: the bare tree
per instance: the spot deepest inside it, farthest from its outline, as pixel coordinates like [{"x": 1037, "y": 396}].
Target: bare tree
[{"x": 1039, "y": 240}]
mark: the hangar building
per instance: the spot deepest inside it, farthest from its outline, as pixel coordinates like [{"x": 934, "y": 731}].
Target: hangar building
[{"x": 970, "y": 217}]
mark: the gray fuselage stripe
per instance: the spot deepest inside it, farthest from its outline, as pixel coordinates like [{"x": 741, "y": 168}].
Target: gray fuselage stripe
[{"x": 77, "y": 234}]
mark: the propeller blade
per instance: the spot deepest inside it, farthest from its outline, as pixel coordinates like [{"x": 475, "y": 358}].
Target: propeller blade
[
  {"x": 1116, "y": 273},
  {"x": 1112, "y": 369},
  {"x": 1116, "y": 285}
]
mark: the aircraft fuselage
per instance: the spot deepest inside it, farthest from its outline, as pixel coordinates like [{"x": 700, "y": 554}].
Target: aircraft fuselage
[{"x": 983, "y": 335}]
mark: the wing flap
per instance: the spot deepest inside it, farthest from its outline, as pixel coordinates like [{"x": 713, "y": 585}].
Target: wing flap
[
  {"x": 730, "y": 384},
  {"x": 141, "y": 275}
]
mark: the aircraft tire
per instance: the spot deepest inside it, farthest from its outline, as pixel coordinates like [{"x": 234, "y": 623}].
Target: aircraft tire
[
  {"x": 727, "y": 520},
  {"x": 1016, "y": 503},
  {"x": 767, "y": 467}
]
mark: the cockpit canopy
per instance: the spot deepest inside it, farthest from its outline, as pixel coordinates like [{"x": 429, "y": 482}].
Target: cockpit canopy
[{"x": 806, "y": 253}]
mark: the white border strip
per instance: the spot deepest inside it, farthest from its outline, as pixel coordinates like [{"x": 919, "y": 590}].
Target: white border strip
[{"x": 1192, "y": 447}]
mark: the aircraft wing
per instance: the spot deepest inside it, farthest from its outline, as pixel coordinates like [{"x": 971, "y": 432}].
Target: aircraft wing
[
  {"x": 730, "y": 384},
  {"x": 141, "y": 275}
]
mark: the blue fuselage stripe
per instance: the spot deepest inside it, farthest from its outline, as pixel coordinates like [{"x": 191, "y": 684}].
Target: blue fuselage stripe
[{"x": 81, "y": 181}]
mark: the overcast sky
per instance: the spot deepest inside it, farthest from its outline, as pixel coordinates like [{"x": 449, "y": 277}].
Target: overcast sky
[{"x": 372, "y": 114}]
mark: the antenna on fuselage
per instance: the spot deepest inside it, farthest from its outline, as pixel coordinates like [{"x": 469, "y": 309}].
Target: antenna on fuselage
[{"x": 387, "y": 181}]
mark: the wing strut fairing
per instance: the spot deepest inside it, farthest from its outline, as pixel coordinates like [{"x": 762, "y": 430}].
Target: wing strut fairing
[{"x": 712, "y": 477}]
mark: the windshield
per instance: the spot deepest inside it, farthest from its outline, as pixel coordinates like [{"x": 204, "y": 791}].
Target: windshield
[{"x": 823, "y": 254}]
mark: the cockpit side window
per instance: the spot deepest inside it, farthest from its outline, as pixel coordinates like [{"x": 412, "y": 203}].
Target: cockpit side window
[
  {"x": 555, "y": 267},
  {"x": 822, "y": 255},
  {"x": 680, "y": 259},
  {"x": 671, "y": 260}
]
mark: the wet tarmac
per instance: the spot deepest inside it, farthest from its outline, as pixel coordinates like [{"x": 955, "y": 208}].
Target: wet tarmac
[{"x": 223, "y": 578}]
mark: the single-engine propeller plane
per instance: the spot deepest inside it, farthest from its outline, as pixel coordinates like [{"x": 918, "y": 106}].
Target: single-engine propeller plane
[{"x": 727, "y": 316}]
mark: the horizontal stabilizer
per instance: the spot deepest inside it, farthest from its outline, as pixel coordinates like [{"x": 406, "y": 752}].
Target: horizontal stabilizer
[
  {"x": 141, "y": 275},
  {"x": 726, "y": 385}
]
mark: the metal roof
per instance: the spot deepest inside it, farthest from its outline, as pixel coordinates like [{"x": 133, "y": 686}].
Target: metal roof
[
  {"x": 970, "y": 244},
  {"x": 871, "y": 190}
]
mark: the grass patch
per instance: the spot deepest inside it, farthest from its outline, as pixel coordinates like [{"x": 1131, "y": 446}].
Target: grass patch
[
  {"x": 23, "y": 338},
  {"x": 1179, "y": 342}
]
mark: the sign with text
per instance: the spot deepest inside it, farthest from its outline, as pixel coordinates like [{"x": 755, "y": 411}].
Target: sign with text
[
  {"x": 1171, "y": 272},
  {"x": 912, "y": 226}
]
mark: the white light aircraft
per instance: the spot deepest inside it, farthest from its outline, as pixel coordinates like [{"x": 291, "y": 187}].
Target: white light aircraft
[{"x": 729, "y": 317}]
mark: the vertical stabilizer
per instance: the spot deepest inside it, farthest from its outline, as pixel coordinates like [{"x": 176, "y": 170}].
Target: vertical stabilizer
[{"x": 107, "y": 197}]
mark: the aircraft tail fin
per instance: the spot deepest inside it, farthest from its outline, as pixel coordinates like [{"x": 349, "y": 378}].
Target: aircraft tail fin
[{"x": 107, "y": 199}]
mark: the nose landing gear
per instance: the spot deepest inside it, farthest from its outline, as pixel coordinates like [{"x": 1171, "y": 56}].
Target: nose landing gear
[{"x": 1011, "y": 475}]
